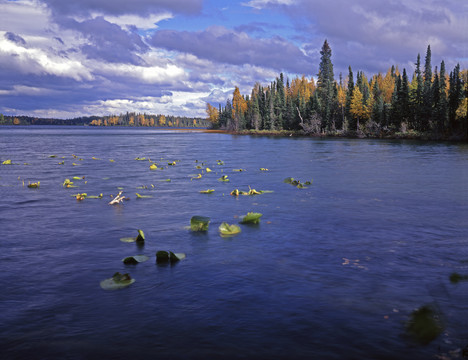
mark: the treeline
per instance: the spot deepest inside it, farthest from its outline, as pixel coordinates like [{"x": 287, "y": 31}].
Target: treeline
[
  {"x": 128, "y": 119},
  {"x": 432, "y": 104}
]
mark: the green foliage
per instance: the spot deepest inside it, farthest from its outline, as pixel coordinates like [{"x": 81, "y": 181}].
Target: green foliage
[{"x": 199, "y": 223}]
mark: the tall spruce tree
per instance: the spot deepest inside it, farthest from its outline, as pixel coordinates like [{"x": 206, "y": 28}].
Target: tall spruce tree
[
  {"x": 417, "y": 97},
  {"x": 325, "y": 85},
  {"x": 427, "y": 93}
]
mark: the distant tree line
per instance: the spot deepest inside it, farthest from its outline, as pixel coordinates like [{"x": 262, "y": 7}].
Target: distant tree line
[
  {"x": 433, "y": 103},
  {"x": 128, "y": 119}
]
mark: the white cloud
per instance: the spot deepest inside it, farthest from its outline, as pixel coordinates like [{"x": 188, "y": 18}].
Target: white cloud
[
  {"x": 145, "y": 23},
  {"x": 260, "y": 4},
  {"x": 145, "y": 74},
  {"x": 39, "y": 61}
]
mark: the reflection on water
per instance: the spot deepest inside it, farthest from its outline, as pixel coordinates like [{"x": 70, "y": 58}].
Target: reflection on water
[{"x": 332, "y": 271}]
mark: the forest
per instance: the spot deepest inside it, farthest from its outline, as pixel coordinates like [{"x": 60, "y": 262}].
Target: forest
[
  {"x": 432, "y": 104},
  {"x": 128, "y": 119}
]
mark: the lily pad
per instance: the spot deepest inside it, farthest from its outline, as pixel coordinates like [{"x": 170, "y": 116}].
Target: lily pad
[
  {"x": 140, "y": 159},
  {"x": 456, "y": 277},
  {"x": 223, "y": 178},
  {"x": 251, "y": 218},
  {"x": 208, "y": 191},
  {"x": 228, "y": 230},
  {"x": 288, "y": 180},
  {"x": 424, "y": 325},
  {"x": 142, "y": 196},
  {"x": 117, "y": 281},
  {"x": 141, "y": 237},
  {"x": 264, "y": 169},
  {"x": 239, "y": 170},
  {"x": 163, "y": 257},
  {"x": 208, "y": 170},
  {"x": 133, "y": 260},
  {"x": 7, "y": 162},
  {"x": 199, "y": 223},
  {"x": 95, "y": 197},
  {"x": 34, "y": 185},
  {"x": 153, "y": 167}
]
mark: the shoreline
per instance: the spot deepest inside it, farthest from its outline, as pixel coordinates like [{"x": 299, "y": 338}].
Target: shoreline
[{"x": 349, "y": 135}]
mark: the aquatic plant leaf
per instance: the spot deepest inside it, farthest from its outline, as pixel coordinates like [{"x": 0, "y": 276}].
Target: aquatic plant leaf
[
  {"x": 171, "y": 163},
  {"x": 228, "y": 230},
  {"x": 288, "y": 180},
  {"x": 199, "y": 176},
  {"x": 117, "y": 281},
  {"x": 34, "y": 185},
  {"x": 128, "y": 239},
  {"x": 208, "y": 191},
  {"x": 264, "y": 169},
  {"x": 141, "y": 237},
  {"x": 455, "y": 278},
  {"x": 111, "y": 160},
  {"x": 208, "y": 170},
  {"x": 67, "y": 183},
  {"x": 95, "y": 158},
  {"x": 235, "y": 192},
  {"x": 163, "y": 257},
  {"x": 223, "y": 178},
  {"x": 239, "y": 170},
  {"x": 199, "y": 223},
  {"x": 7, "y": 162},
  {"x": 140, "y": 159},
  {"x": 424, "y": 325},
  {"x": 95, "y": 197},
  {"x": 52, "y": 156},
  {"x": 251, "y": 218},
  {"x": 153, "y": 167},
  {"x": 78, "y": 177},
  {"x": 143, "y": 196},
  {"x": 135, "y": 259}
]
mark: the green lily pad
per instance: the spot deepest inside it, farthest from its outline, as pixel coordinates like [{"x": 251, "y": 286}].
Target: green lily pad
[
  {"x": 163, "y": 257},
  {"x": 140, "y": 159},
  {"x": 34, "y": 185},
  {"x": 95, "y": 197},
  {"x": 228, "y": 230},
  {"x": 425, "y": 325},
  {"x": 78, "y": 177},
  {"x": 133, "y": 260},
  {"x": 153, "y": 167},
  {"x": 288, "y": 180},
  {"x": 208, "y": 191},
  {"x": 251, "y": 218},
  {"x": 264, "y": 169},
  {"x": 52, "y": 156},
  {"x": 199, "y": 223},
  {"x": 117, "y": 281},
  {"x": 7, "y": 162},
  {"x": 143, "y": 196},
  {"x": 141, "y": 237},
  {"x": 223, "y": 178},
  {"x": 239, "y": 170},
  {"x": 456, "y": 277}
]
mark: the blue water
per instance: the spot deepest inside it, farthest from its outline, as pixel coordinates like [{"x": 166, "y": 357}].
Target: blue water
[{"x": 333, "y": 271}]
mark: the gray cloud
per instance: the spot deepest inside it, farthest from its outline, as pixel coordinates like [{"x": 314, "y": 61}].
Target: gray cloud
[
  {"x": 15, "y": 38},
  {"x": 119, "y": 7},
  {"x": 226, "y": 46}
]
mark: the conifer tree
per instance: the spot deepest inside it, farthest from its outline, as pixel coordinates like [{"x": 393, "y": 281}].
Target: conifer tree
[{"x": 325, "y": 85}]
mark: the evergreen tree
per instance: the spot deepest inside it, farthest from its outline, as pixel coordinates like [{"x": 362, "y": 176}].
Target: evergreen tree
[
  {"x": 455, "y": 96},
  {"x": 426, "y": 113},
  {"x": 417, "y": 97},
  {"x": 325, "y": 85},
  {"x": 349, "y": 96}
]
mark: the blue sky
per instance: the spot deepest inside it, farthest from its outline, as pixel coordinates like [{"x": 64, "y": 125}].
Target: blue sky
[{"x": 98, "y": 57}]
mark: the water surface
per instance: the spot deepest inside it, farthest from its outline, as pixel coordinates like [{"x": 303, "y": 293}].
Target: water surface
[{"x": 333, "y": 271}]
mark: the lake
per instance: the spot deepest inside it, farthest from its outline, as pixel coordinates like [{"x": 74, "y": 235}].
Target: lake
[{"x": 333, "y": 271}]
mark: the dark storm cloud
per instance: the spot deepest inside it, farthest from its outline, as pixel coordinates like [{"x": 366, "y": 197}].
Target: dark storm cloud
[
  {"x": 221, "y": 45},
  {"x": 374, "y": 35},
  {"x": 119, "y": 7},
  {"x": 108, "y": 41},
  {"x": 15, "y": 38}
]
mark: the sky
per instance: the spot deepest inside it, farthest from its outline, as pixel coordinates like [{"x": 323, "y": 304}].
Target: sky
[{"x": 66, "y": 59}]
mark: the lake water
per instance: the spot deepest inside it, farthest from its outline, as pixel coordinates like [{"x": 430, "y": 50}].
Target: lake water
[{"x": 333, "y": 271}]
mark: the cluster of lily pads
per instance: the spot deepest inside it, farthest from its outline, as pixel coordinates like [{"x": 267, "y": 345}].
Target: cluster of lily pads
[
  {"x": 297, "y": 183},
  {"x": 201, "y": 223},
  {"x": 119, "y": 281}
]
